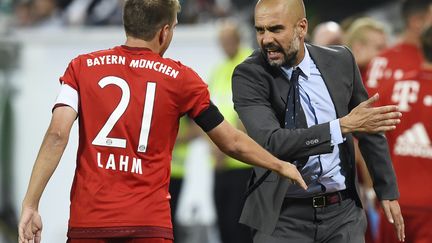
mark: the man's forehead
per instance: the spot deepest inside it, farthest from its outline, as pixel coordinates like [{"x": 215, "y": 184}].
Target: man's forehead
[{"x": 269, "y": 20}]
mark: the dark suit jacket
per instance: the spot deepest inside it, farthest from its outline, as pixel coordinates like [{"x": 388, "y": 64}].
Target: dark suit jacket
[{"x": 259, "y": 95}]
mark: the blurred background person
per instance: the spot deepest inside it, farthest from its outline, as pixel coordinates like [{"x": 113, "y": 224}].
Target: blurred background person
[
  {"x": 46, "y": 14},
  {"x": 185, "y": 135},
  {"x": 94, "y": 12},
  {"x": 327, "y": 33},
  {"x": 405, "y": 58},
  {"x": 22, "y": 15},
  {"x": 231, "y": 176},
  {"x": 366, "y": 38},
  {"x": 411, "y": 147},
  {"x": 8, "y": 216}
]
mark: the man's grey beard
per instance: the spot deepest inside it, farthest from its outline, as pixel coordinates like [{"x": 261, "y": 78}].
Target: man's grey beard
[{"x": 288, "y": 61}]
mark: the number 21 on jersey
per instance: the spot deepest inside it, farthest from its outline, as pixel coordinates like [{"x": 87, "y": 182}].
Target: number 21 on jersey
[{"x": 102, "y": 138}]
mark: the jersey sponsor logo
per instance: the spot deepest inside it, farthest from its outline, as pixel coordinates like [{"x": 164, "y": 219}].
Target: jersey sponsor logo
[
  {"x": 376, "y": 71},
  {"x": 427, "y": 100},
  {"x": 379, "y": 70},
  {"x": 414, "y": 142},
  {"x": 405, "y": 93}
]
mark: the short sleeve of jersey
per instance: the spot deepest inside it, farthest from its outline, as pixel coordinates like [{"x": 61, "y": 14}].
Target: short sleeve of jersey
[
  {"x": 71, "y": 74},
  {"x": 194, "y": 94}
]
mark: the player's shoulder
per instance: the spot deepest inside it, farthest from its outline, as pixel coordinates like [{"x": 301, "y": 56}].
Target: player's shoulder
[
  {"x": 176, "y": 63},
  {"x": 94, "y": 54},
  {"x": 184, "y": 69}
]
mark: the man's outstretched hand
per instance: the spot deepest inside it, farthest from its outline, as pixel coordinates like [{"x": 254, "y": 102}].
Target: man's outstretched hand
[
  {"x": 30, "y": 226},
  {"x": 367, "y": 118},
  {"x": 394, "y": 216},
  {"x": 291, "y": 172}
]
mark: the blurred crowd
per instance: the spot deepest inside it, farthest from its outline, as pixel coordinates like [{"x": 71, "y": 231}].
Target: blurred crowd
[
  {"x": 367, "y": 35},
  {"x": 54, "y": 13}
]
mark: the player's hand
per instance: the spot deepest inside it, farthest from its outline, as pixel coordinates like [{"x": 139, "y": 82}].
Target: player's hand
[
  {"x": 290, "y": 171},
  {"x": 366, "y": 118},
  {"x": 30, "y": 226},
  {"x": 394, "y": 216}
]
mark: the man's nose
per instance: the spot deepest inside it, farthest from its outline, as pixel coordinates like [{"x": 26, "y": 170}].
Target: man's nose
[{"x": 267, "y": 38}]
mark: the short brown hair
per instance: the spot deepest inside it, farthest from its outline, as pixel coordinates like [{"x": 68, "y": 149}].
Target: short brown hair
[{"x": 143, "y": 18}]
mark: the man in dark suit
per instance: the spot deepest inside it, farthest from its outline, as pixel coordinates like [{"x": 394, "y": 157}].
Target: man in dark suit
[{"x": 303, "y": 103}]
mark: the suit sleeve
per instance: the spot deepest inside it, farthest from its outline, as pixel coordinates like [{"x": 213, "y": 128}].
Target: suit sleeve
[
  {"x": 252, "y": 101},
  {"x": 374, "y": 148}
]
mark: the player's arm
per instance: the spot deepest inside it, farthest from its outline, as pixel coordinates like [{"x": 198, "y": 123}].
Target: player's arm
[
  {"x": 51, "y": 150},
  {"x": 238, "y": 145}
]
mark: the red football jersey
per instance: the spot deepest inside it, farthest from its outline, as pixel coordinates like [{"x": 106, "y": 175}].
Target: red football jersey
[
  {"x": 410, "y": 144},
  {"x": 395, "y": 63},
  {"x": 129, "y": 104}
]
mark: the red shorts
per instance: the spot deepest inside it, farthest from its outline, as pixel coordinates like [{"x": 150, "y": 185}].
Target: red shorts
[
  {"x": 418, "y": 227},
  {"x": 121, "y": 240}
]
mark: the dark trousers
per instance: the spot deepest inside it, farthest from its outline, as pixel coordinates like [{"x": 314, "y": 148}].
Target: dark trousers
[
  {"x": 174, "y": 190},
  {"x": 230, "y": 186},
  {"x": 342, "y": 222}
]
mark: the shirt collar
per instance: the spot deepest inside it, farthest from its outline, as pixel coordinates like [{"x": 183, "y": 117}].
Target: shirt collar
[{"x": 304, "y": 65}]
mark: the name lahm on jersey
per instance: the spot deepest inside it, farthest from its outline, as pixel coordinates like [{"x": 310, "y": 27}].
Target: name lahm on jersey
[
  {"x": 119, "y": 163},
  {"x": 136, "y": 63}
]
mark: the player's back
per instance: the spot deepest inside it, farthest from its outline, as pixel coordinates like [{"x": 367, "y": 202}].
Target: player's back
[
  {"x": 410, "y": 143},
  {"x": 130, "y": 102}
]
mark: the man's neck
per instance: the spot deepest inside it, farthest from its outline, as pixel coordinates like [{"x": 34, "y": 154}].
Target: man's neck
[{"x": 134, "y": 42}]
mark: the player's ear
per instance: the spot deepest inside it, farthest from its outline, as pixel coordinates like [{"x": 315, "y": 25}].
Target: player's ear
[{"x": 163, "y": 34}]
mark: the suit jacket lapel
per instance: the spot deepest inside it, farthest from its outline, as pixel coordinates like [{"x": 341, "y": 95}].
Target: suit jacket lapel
[
  {"x": 283, "y": 85},
  {"x": 329, "y": 75}
]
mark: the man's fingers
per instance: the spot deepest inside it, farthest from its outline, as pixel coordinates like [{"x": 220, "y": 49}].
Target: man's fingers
[
  {"x": 398, "y": 220},
  {"x": 387, "y": 212},
  {"x": 386, "y": 109},
  {"x": 299, "y": 181},
  {"x": 389, "y": 115},
  {"x": 21, "y": 233},
  {"x": 388, "y": 122},
  {"x": 37, "y": 238},
  {"x": 370, "y": 101},
  {"x": 384, "y": 129}
]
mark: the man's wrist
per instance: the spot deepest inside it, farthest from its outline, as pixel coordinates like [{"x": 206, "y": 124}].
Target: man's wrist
[{"x": 344, "y": 125}]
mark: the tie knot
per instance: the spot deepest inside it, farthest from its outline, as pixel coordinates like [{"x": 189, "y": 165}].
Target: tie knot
[{"x": 295, "y": 75}]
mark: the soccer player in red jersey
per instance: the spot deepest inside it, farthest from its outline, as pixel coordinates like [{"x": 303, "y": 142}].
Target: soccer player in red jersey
[
  {"x": 405, "y": 58},
  {"x": 411, "y": 148},
  {"x": 128, "y": 101}
]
